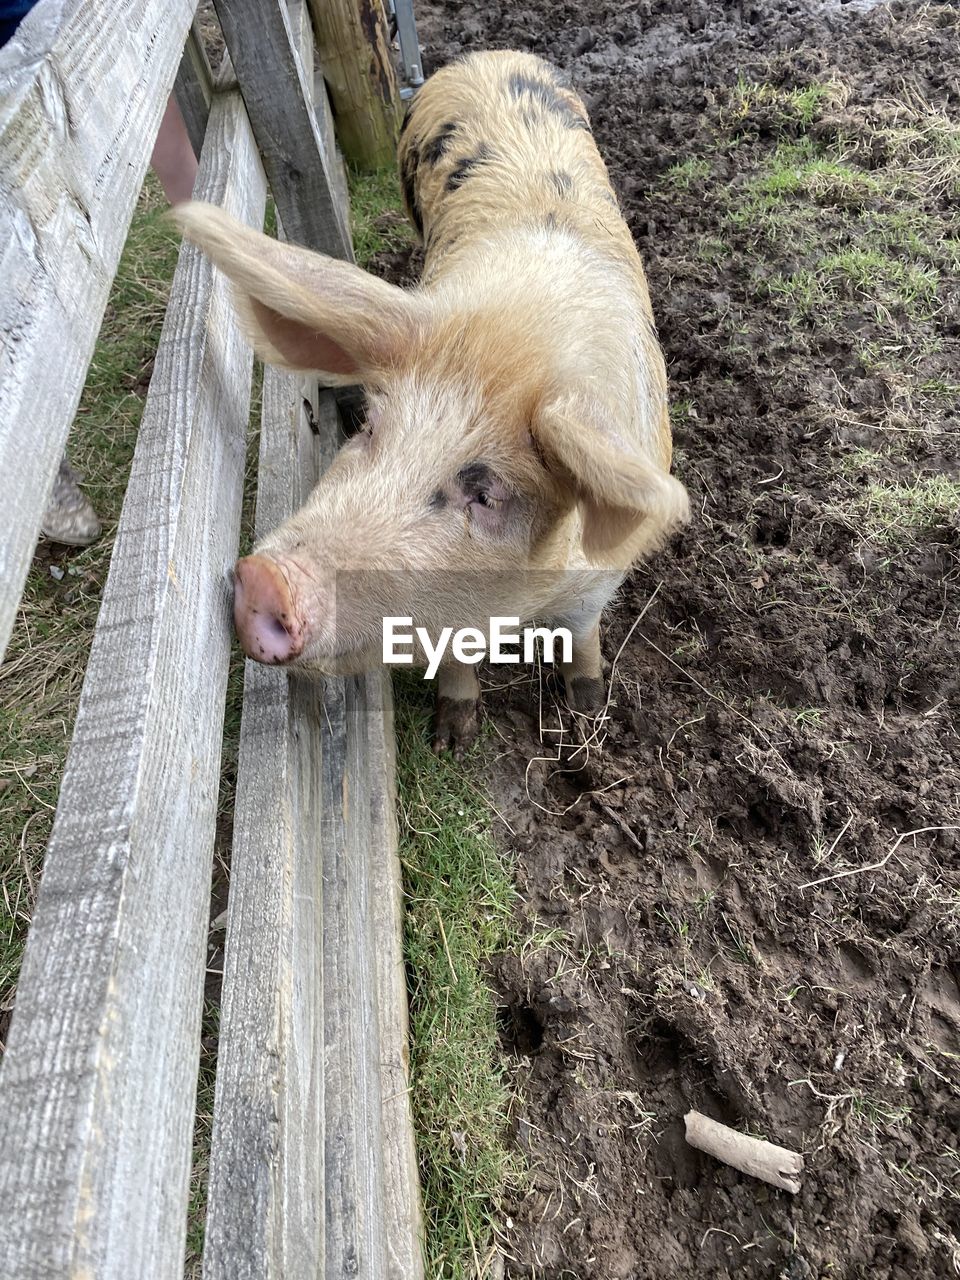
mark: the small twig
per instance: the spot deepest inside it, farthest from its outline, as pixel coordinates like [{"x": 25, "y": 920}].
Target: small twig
[
  {"x": 598, "y": 721},
  {"x": 709, "y": 692},
  {"x": 443, "y": 935},
  {"x": 624, "y": 827},
  {"x": 25, "y": 857},
  {"x": 876, "y": 866},
  {"x": 840, "y": 836},
  {"x": 720, "y": 1232},
  {"x": 778, "y": 1166}
]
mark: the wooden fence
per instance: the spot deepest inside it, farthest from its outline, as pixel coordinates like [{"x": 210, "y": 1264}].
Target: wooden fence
[{"x": 312, "y": 1169}]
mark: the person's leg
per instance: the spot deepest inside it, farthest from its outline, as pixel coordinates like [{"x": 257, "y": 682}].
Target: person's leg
[{"x": 173, "y": 160}]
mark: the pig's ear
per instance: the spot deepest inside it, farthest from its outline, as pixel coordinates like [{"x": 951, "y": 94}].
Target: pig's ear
[
  {"x": 303, "y": 310},
  {"x": 617, "y": 489}
]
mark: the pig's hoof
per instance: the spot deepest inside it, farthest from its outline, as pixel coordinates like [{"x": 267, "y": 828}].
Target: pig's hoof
[
  {"x": 586, "y": 694},
  {"x": 455, "y": 725}
]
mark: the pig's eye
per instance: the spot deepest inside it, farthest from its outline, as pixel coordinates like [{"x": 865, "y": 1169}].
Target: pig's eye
[{"x": 485, "y": 500}]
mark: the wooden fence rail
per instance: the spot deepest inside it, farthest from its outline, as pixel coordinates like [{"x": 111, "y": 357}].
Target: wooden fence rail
[
  {"x": 312, "y": 1169},
  {"x": 82, "y": 90}
]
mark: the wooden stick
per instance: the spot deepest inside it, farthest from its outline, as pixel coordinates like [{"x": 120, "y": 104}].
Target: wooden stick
[{"x": 763, "y": 1160}]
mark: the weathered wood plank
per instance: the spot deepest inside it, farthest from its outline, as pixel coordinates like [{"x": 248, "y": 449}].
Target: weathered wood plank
[
  {"x": 355, "y": 51},
  {"x": 301, "y": 24},
  {"x": 83, "y": 85},
  {"x": 193, "y": 89},
  {"x": 294, "y": 1192},
  {"x": 98, "y": 1083},
  {"x": 260, "y": 43},
  {"x": 356, "y": 1242},
  {"x": 372, "y": 1196},
  {"x": 401, "y": 1182},
  {"x": 265, "y": 1215}
]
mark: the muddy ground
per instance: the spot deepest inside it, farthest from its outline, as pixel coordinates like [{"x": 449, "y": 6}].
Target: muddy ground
[{"x": 786, "y": 708}]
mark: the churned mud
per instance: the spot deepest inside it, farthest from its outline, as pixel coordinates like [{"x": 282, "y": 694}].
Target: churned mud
[{"x": 723, "y": 911}]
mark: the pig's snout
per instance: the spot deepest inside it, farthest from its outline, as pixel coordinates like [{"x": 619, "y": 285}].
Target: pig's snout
[{"x": 264, "y": 611}]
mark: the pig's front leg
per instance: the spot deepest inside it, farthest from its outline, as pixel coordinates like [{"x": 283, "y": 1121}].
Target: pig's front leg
[
  {"x": 583, "y": 676},
  {"x": 456, "y": 722}
]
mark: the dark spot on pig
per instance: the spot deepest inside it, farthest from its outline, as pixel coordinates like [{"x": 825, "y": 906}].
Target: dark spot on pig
[
  {"x": 543, "y": 92},
  {"x": 474, "y": 477},
  {"x": 408, "y": 177},
  {"x": 465, "y": 167},
  {"x": 407, "y": 119},
  {"x": 562, "y": 182},
  {"x": 438, "y": 500},
  {"x": 548, "y": 97},
  {"x": 550, "y": 221},
  {"x": 436, "y": 148}
]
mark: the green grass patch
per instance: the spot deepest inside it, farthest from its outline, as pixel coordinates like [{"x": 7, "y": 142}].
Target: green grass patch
[
  {"x": 713, "y": 250},
  {"x": 797, "y": 108},
  {"x": 875, "y": 277},
  {"x": 894, "y": 514},
  {"x": 798, "y": 168},
  {"x": 862, "y": 275},
  {"x": 377, "y": 219},
  {"x": 684, "y": 174},
  {"x": 460, "y": 895}
]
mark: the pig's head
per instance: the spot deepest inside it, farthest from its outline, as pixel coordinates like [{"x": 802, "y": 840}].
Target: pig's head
[{"x": 455, "y": 498}]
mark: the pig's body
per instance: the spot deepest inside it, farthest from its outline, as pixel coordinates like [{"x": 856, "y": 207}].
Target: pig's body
[
  {"x": 518, "y": 458},
  {"x": 504, "y": 183}
]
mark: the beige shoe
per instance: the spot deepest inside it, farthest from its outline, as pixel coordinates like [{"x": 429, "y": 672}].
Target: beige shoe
[{"x": 69, "y": 517}]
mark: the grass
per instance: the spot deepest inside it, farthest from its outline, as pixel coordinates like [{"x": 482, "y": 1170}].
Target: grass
[
  {"x": 459, "y": 916},
  {"x": 843, "y": 211},
  {"x": 376, "y": 215},
  {"x": 893, "y": 514},
  {"x": 797, "y": 107},
  {"x": 686, "y": 172},
  {"x": 799, "y": 169}
]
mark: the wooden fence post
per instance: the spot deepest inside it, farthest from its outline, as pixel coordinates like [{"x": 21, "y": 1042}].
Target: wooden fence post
[{"x": 354, "y": 47}]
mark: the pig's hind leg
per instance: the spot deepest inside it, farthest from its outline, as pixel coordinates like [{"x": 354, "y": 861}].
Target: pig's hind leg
[
  {"x": 456, "y": 720},
  {"x": 583, "y": 675}
]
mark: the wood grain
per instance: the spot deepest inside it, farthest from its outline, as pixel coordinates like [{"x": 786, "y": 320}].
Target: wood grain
[
  {"x": 355, "y": 52},
  {"x": 265, "y": 1208},
  {"x": 193, "y": 88},
  {"x": 83, "y": 85},
  {"x": 98, "y": 1083},
  {"x": 261, "y": 46},
  {"x": 301, "y": 24},
  {"x": 401, "y": 1204}
]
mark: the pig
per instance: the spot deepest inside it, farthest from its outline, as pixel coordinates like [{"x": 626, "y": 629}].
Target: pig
[{"x": 516, "y": 453}]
